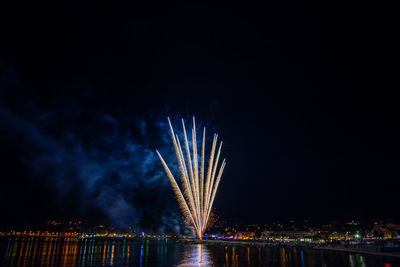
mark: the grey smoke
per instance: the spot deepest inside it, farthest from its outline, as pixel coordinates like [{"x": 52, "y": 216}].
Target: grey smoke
[{"x": 100, "y": 164}]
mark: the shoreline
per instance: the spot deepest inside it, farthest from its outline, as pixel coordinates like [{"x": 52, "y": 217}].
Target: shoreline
[
  {"x": 361, "y": 251},
  {"x": 289, "y": 245}
]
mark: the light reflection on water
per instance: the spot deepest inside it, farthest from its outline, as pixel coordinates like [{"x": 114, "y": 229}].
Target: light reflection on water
[
  {"x": 120, "y": 252},
  {"x": 196, "y": 255}
]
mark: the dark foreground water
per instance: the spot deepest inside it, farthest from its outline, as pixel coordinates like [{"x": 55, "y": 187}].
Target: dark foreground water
[{"x": 72, "y": 252}]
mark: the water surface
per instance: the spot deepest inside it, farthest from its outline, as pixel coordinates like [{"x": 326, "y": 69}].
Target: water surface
[{"x": 120, "y": 252}]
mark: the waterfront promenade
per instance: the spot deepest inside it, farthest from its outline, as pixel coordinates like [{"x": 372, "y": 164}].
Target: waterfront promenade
[{"x": 291, "y": 245}]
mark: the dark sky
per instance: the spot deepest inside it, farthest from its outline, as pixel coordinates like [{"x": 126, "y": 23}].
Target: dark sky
[{"x": 303, "y": 96}]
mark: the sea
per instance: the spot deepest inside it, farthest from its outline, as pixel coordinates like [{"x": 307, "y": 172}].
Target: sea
[{"x": 34, "y": 251}]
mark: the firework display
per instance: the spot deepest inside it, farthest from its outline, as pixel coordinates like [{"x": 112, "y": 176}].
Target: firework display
[{"x": 198, "y": 185}]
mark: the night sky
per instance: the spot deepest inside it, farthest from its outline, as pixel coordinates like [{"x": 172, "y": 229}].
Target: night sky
[{"x": 302, "y": 95}]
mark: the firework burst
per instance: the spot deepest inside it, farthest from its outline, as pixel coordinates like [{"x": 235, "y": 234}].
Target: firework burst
[{"x": 198, "y": 186}]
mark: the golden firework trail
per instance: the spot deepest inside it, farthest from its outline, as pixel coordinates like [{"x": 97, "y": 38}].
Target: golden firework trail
[{"x": 198, "y": 187}]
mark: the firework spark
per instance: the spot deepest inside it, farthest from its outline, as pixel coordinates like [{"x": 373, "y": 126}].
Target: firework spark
[{"x": 197, "y": 192}]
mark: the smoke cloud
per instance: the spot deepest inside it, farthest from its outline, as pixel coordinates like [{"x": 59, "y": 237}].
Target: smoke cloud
[
  {"x": 99, "y": 166},
  {"x": 64, "y": 161}
]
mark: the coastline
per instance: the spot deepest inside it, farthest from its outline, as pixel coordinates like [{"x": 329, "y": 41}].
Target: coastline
[
  {"x": 361, "y": 251},
  {"x": 289, "y": 245}
]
